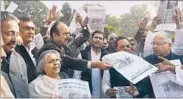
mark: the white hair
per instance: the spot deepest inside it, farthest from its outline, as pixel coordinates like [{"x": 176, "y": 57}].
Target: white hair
[
  {"x": 167, "y": 37},
  {"x": 111, "y": 35},
  {"x": 42, "y": 60}
]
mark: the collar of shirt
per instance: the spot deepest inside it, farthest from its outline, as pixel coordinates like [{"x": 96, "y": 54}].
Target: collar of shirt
[{"x": 94, "y": 56}]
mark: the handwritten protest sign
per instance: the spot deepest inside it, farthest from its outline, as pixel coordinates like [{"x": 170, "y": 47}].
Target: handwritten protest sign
[
  {"x": 132, "y": 67},
  {"x": 73, "y": 88}
]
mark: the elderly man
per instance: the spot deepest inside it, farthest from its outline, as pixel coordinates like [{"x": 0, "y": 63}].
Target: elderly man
[
  {"x": 27, "y": 32},
  {"x": 162, "y": 45},
  {"x": 13, "y": 64},
  {"x": 60, "y": 33},
  {"x": 48, "y": 68},
  {"x": 111, "y": 41}
]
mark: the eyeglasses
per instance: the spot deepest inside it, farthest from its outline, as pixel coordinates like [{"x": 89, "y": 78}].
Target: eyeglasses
[{"x": 158, "y": 43}]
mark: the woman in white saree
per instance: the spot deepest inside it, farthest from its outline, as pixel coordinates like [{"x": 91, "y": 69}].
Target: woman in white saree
[{"x": 45, "y": 85}]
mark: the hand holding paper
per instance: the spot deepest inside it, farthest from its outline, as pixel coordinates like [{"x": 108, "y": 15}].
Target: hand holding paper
[
  {"x": 132, "y": 67},
  {"x": 163, "y": 68},
  {"x": 111, "y": 92},
  {"x": 132, "y": 90},
  {"x": 104, "y": 65}
]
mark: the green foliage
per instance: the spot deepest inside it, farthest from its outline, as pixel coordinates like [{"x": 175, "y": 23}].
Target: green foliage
[
  {"x": 36, "y": 10},
  {"x": 112, "y": 20},
  {"x": 128, "y": 22},
  {"x": 111, "y": 29},
  {"x": 6, "y": 3}
]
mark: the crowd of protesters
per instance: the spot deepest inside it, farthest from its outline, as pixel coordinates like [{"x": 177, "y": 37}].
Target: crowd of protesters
[{"x": 32, "y": 64}]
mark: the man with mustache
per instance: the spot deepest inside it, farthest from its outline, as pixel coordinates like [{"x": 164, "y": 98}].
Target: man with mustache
[
  {"x": 5, "y": 89},
  {"x": 27, "y": 32},
  {"x": 13, "y": 65},
  {"x": 60, "y": 34}
]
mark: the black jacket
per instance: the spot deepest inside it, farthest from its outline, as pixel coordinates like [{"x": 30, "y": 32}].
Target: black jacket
[
  {"x": 31, "y": 69},
  {"x": 67, "y": 61},
  {"x": 86, "y": 75},
  {"x": 144, "y": 87}
]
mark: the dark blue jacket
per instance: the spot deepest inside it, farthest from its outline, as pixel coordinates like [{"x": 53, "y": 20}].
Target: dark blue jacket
[{"x": 144, "y": 87}]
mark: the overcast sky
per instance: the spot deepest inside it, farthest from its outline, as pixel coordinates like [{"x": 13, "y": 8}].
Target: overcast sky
[{"x": 112, "y": 7}]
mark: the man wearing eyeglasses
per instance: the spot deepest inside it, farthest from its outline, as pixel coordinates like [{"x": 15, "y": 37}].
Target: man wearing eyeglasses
[
  {"x": 162, "y": 45},
  {"x": 60, "y": 34},
  {"x": 163, "y": 51},
  {"x": 13, "y": 64}
]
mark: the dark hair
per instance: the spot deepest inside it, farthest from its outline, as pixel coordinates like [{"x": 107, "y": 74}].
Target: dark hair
[
  {"x": 54, "y": 28},
  {"x": 97, "y": 32},
  {"x": 24, "y": 18},
  {"x": 7, "y": 16},
  {"x": 120, "y": 38}
]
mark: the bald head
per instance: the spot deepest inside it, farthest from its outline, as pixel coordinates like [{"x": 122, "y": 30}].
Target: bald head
[
  {"x": 60, "y": 33},
  {"x": 56, "y": 26}
]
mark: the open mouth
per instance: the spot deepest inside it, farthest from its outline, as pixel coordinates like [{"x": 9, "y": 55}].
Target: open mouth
[{"x": 56, "y": 67}]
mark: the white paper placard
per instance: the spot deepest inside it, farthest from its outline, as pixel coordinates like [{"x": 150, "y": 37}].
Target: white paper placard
[
  {"x": 132, "y": 67},
  {"x": 12, "y": 7}
]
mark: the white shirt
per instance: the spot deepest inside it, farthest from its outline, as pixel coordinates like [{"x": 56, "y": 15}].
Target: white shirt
[
  {"x": 77, "y": 73},
  {"x": 29, "y": 50},
  {"x": 96, "y": 76},
  {"x": 106, "y": 81}
]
